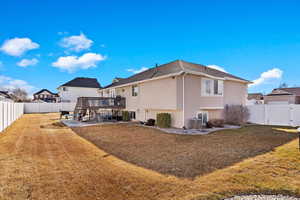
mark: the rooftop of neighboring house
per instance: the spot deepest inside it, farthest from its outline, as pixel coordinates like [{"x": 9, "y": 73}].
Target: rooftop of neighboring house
[
  {"x": 45, "y": 90},
  {"x": 256, "y": 96},
  {"x": 285, "y": 91},
  {"x": 176, "y": 67},
  {"x": 5, "y": 94},
  {"x": 82, "y": 82},
  {"x": 8, "y": 95}
]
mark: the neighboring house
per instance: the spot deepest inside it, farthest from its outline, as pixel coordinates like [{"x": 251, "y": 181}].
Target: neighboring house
[
  {"x": 185, "y": 90},
  {"x": 283, "y": 96},
  {"x": 5, "y": 96},
  {"x": 255, "y": 98},
  {"x": 79, "y": 87},
  {"x": 45, "y": 95}
]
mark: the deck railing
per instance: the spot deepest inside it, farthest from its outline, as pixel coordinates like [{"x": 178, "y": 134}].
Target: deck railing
[{"x": 101, "y": 102}]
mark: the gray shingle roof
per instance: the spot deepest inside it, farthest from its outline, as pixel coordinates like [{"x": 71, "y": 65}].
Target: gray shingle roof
[
  {"x": 285, "y": 91},
  {"x": 256, "y": 96},
  {"x": 176, "y": 66},
  {"x": 42, "y": 90},
  {"x": 83, "y": 82}
]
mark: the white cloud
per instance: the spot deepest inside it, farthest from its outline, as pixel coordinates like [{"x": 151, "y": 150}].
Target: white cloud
[
  {"x": 217, "y": 68},
  {"x": 27, "y": 62},
  {"x": 8, "y": 83},
  {"x": 18, "y": 46},
  {"x": 76, "y": 42},
  {"x": 265, "y": 77},
  {"x": 73, "y": 63},
  {"x": 136, "y": 71}
]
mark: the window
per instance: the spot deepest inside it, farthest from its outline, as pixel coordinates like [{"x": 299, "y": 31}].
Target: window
[
  {"x": 135, "y": 90},
  {"x": 203, "y": 116},
  {"x": 212, "y": 87},
  {"x": 112, "y": 93},
  {"x": 132, "y": 115},
  {"x": 64, "y": 89}
]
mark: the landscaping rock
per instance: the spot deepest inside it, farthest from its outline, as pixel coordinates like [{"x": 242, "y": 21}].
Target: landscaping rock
[{"x": 263, "y": 197}]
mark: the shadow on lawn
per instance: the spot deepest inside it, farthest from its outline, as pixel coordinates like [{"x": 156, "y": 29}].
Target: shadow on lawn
[{"x": 185, "y": 156}]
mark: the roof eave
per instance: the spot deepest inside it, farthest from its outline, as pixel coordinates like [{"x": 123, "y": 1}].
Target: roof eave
[{"x": 142, "y": 81}]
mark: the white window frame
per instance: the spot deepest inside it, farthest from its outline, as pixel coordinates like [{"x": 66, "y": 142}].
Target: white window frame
[
  {"x": 203, "y": 112},
  {"x": 135, "y": 93},
  {"x": 212, "y": 87},
  {"x": 112, "y": 93}
]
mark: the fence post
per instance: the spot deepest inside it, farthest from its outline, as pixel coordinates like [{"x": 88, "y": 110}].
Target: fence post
[
  {"x": 1, "y": 117},
  {"x": 265, "y": 114},
  {"x": 292, "y": 116}
]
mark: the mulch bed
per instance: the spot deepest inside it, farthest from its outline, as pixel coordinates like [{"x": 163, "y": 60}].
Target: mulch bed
[{"x": 184, "y": 155}]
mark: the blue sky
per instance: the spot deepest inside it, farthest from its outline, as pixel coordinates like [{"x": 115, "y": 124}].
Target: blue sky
[{"x": 60, "y": 40}]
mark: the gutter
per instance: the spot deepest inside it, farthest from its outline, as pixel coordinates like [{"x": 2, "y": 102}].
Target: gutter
[
  {"x": 183, "y": 71},
  {"x": 183, "y": 99}
]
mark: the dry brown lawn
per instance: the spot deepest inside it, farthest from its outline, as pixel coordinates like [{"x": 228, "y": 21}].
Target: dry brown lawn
[
  {"x": 182, "y": 155},
  {"x": 42, "y": 160}
]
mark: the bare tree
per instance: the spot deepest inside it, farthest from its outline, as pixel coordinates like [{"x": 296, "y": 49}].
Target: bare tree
[
  {"x": 236, "y": 114},
  {"x": 19, "y": 94}
]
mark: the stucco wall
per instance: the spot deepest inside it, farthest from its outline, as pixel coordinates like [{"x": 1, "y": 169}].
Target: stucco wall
[
  {"x": 158, "y": 95},
  {"x": 166, "y": 95},
  {"x": 176, "y": 116},
  {"x": 73, "y": 93},
  {"x": 235, "y": 93},
  {"x": 194, "y": 101},
  {"x": 288, "y": 98}
]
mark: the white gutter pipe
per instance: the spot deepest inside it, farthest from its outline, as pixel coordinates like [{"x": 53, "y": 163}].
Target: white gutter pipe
[{"x": 183, "y": 98}]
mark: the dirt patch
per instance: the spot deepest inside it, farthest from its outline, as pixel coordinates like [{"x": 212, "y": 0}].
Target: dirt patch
[
  {"x": 54, "y": 125},
  {"x": 182, "y": 155}
]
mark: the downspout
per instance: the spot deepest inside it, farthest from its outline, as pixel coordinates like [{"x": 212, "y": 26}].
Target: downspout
[{"x": 183, "y": 99}]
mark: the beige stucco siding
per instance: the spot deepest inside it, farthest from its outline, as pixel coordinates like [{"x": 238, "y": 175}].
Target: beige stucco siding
[
  {"x": 159, "y": 94},
  {"x": 194, "y": 101},
  {"x": 235, "y": 93},
  {"x": 215, "y": 114},
  {"x": 176, "y": 116},
  {"x": 291, "y": 99},
  {"x": 166, "y": 95},
  {"x": 153, "y": 97}
]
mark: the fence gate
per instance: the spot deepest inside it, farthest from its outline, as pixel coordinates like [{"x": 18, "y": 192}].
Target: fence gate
[{"x": 281, "y": 115}]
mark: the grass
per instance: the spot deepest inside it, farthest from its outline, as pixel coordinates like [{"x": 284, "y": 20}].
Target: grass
[
  {"x": 182, "y": 155},
  {"x": 55, "y": 163}
]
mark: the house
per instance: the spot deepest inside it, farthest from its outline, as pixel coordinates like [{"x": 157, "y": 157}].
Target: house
[
  {"x": 79, "y": 87},
  {"x": 283, "y": 96},
  {"x": 255, "y": 98},
  {"x": 5, "y": 96},
  {"x": 183, "y": 89},
  {"x": 45, "y": 95}
]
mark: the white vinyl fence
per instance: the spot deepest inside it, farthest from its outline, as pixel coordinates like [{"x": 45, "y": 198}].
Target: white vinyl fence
[
  {"x": 48, "y": 107},
  {"x": 282, "y": 115},
  {"x": 9, "y": 112}
]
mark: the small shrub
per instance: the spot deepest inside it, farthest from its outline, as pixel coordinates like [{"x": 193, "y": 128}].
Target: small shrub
[
  {"x": 125, "y": 116},
  {"x": 150, "y": 122},
  {"x": 236, "y": 114},
  {"x": 163, "y": 120},
  {"x": 216, "y": 123}
]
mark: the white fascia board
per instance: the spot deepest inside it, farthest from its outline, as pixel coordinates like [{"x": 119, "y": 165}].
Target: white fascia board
[
  {"x": 143, "y": 81},
  {"x": 237, "y": 80},
  {"x": 203, "y": 74}
]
